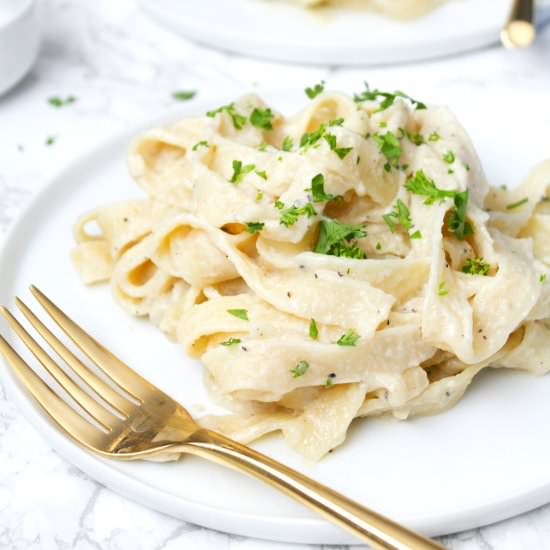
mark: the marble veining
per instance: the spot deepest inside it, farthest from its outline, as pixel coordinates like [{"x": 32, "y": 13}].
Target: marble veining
[{"x": 122, "y": 67}]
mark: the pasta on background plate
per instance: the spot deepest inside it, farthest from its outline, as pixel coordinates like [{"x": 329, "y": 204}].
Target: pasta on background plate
[
  {"x": 347, "y": 261},
  {"x": 398, "y": 9}
]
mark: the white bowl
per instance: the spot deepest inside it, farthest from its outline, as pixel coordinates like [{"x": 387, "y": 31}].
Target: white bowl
[{"x": 19, "y": 40}]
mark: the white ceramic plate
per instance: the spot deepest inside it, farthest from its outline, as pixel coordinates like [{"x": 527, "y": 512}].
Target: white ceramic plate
[
  {"x": 486, "y": 459},
  {"x": 275, "y": 29}
]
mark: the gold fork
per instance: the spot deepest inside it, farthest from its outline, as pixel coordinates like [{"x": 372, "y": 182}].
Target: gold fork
[
  {"x": 128, "y": 418},
  {"x": 519, "y": 31}
]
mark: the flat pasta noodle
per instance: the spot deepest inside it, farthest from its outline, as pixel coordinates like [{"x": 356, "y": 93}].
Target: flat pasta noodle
[
  {"x": 399, "y": 9},
  {"x": 348, "y": 261}
]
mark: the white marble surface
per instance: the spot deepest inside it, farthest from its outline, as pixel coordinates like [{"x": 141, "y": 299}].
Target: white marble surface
[{"x": 122, "y": 67}]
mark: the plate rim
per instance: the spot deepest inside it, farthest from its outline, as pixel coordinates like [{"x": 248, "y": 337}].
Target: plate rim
[
  {"x": 319, "y": 55},
  {"x": 213, "y": 517}
]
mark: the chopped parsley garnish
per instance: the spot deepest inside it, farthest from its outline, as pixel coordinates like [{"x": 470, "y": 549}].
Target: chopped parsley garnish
[
  {"x": 442, "y": 289},
  {"x": 313, "y": 330},
  {"x": 420, "y": 184},
  {"x": 307, "y": 140},
  {"x": 434, "y": 136},
  {"x": 388, "y": 98},
  {"x": 449, "y": 157},
  {"x": 416, "y": 139},
  {"x": 339, "y": 239},
  {"x": 261, "y": 173},
  {"x": 348, "y": 339},
  {"x": 259, "y": 195},
  {"x": 400, "y": 215},
  {"x": 240, "y": 171},
  {"x": 261, "y": 118},
  {"x": 202, "y": 143},
  {"x": 184, "y": 95},
  {"x": 457, "y": 223},
  {"x": 239, "y": 313},
  {"x": 254, "y": 227},
  {"x": 476, "y": 266},
  {"x": 300, "y": 369},
  {"x": 57, "y": 101},
  {"x": 50, "y": 140},
  {"x": 318, "y": 190},
  {"x": 342, "y": 152},
  {"x": 289, "y": 216},
  {"x": 517, "y": 204},
  {"x": 543, "y": 278},
  {"x": 231, "y": 342},
  {"x": 279, "y": 205},
  {"x": 263, "y": 147},
  {"x": 328, "y": 382},
  {"x": 378, "y": 246},
  {"x": 314, "y": 91},
  {"x": 238, "y": 120},
  {"x": 390, "y": 148},
  {"x": 287, "y": 144}
]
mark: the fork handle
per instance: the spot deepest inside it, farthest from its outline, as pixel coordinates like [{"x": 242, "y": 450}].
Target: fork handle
[{"x": 373, "y": 528}]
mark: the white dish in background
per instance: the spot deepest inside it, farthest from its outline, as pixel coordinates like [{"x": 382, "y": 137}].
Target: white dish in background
[
  {"x": 484, "y": 460},
  {"x": 19, "y": 40},
  {"x": 277, "y": 30}
]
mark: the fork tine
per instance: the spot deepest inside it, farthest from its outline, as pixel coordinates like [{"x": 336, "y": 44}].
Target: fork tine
[
  {"x": 103, "y": 390},
  {"x": 92, "y": 407},
  {"x": 112, "y": 366},
  {"x": 64, "y": 416}
]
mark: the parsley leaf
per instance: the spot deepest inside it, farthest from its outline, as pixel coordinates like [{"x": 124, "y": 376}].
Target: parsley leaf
[
  {"x": 202, "y": 143},
  {"x": 307, "y": 140},
  {"x": 184, "y": 95},
  {"x": 261, "y": 118},
  {"x": 342, "y": 152},
  {"x": 542, "y": 278},
  {"x": 457, "y": 223},
  {"x": 449, "y": 157},
  {"x": 328, "y": 382},
  {"x": 416, "y": 139},
  {"x": 289, "y": 216},
  {"x": 300, "y": 369},
  {"x": 442, "y": 289},
  {"x": 50, "y": 140},
  {"x": 57, "y": 101},
  {"x": 262, "y": 174},
  {"x": 517, "y": 204},
  {"x": 254, "y": 227},
  {"x": 434, "y": 136},
  {"x": 314, "y": 91},
  {"x": 240, "y": 171},
  {"x": 476, "y": 266},
  {"x": 388, "y": 98},
  {"x": 338, "y": 239},
  {"x": 390, "y": 148},
  {"x": 231, "y": 342},
  {"x": 287, "y": 144},
  {"x": 313, "y": 330},
  {"x": 349, "y": 338},
  {"x": 238, "y": 120},
  {"x": 400, "y": 215},
  {"x": 420, "y": 184},
  {"x": 239, "y": 313},
  {"x": 318, "y": 190}
]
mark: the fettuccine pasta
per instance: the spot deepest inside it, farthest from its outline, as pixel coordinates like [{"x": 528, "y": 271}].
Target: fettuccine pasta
[
  {"x": 347, "y": 261},
  {"x": 398, "y": 9}
]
